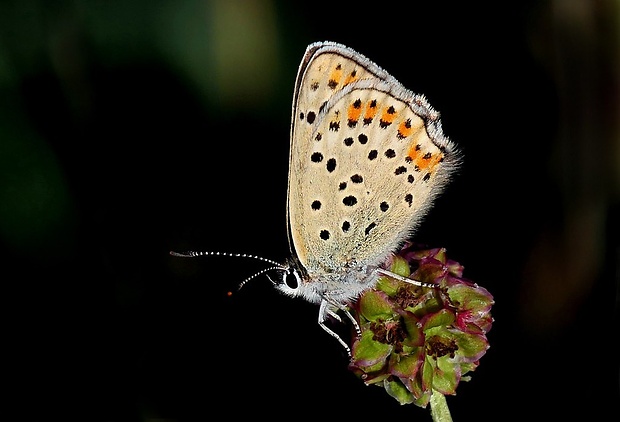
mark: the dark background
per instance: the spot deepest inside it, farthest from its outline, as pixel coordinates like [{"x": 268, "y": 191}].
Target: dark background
[{"x": 128, "y": 129}]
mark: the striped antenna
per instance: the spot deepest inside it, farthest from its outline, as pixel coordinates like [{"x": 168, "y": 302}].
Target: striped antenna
[
  {"x": 259, "y": 273},
  {"x": 191, "y": 254},
  {"x": 275, "y": 265}
]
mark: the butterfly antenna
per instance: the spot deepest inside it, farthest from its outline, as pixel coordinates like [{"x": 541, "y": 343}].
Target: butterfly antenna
[
  {"x": 191, "y": 254},
  {"x": 275, "y": 266},
  {"x": 243, "y": 283}
]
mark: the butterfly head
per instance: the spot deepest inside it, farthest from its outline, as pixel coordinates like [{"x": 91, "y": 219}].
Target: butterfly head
[{"x": 294, "y": 282}]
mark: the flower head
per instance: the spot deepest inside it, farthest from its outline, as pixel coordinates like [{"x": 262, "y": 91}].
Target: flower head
[{"x": 418, "y": 340}]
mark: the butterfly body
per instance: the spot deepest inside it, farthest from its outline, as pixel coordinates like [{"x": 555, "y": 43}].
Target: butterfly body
[{"x": 341, "y": 286}]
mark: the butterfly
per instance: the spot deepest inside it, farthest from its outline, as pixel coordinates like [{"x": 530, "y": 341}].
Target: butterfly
[{"x": 367, "y": 158}]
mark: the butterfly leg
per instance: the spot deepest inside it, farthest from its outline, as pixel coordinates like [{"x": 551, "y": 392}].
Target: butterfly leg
[
  {"x": 333, "y": 315},
  {"x": 344, "y": 309},
  {"x": 324, "y": 310},
  {"x": 406, "y": 280}
]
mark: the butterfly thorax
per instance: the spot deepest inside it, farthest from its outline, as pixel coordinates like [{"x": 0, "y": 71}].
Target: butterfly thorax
[{"x": 337, "y": 286}]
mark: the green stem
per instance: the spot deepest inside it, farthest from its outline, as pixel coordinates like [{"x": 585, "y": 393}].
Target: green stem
[{"x": 439, "y": 408}]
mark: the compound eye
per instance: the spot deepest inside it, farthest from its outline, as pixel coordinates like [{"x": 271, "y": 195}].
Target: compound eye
[{"x": 291, "y": 279}]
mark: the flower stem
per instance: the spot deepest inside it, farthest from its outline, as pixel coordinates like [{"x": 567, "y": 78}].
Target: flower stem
[{"x": 439, "y": 408}]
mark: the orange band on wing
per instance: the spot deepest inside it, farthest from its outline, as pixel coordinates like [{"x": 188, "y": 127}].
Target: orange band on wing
[
  {"x": 424, "y": 161},
  {"x": 354, "y": 111},
  {"x": 334, "y": 77},
  {"x": 351, "y": 77},
  {"x": 388, "y": 116},
  {"x": 404, "y": 129},
  {"x": 371, "y": 111}
]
